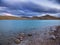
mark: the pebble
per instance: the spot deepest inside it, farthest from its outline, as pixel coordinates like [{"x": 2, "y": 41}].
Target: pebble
[
  {"x": 17, "y": 41},
  {"x": 29, "y": 34}
]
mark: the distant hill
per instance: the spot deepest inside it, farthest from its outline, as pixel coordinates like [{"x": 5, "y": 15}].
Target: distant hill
[
  {"x": 10, "y": 18},
  {"x": 49, "y": 17},
  {"x": 46, "y": 17}
]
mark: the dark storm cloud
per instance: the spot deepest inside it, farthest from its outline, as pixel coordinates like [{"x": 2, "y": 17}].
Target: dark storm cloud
[
  {"x": 58, "y": 1},
  {"x": 0, "y": 2},
  {"x": 24, "y": 8}
]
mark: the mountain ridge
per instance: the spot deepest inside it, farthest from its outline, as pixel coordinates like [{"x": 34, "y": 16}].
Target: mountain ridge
[{"x": 46, "y": 17}]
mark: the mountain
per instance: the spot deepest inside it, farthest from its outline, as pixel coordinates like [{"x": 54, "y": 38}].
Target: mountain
[
  {"x": 10, "y": 18},
  {"x": 49, "y": 17},
  {"x": 46, "y": 17}
]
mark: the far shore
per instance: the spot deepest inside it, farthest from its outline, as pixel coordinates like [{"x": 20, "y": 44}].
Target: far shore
[{"x": 47, "y": 17}]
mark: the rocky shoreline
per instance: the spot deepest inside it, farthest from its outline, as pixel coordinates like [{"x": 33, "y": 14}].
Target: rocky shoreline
[{"x": 50, "y": 36}]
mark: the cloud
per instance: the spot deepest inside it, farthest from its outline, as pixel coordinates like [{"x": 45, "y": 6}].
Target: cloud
[
  {"x": 14, "y": 1},
  {"x": 6, "y": 14},
  {"x": 29, "y": 7},
  {"x": 45, "y": 3},
  {"x": 57, "y": 1},
  {"x": 2, "y": 8}
]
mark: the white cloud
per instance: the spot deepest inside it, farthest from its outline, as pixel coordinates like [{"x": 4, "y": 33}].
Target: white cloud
[
  {"x": 7, "y": 14},
  {"x": 47, "y": 3}
]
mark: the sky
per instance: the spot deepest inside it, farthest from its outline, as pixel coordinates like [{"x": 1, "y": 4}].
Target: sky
[{"x": 29, "y": 7}]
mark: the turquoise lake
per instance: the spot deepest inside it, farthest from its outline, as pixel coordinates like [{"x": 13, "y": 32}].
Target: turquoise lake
[{"x": 25, "y": 25}]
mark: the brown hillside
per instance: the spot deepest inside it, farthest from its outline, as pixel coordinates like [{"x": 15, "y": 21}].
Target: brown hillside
[
  {"x": 46, "y": 17},
  {"x": 49, "y": 17},
  {"x": 10, "y": 18}
]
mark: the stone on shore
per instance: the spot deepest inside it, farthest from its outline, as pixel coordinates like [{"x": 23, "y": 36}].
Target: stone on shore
[
  {"x": 17, "y": 41},
  {"x": 29, "y": 35}
]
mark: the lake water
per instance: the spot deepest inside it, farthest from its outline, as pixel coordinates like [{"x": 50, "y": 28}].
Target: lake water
[{"x": 7, "y": 26}]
